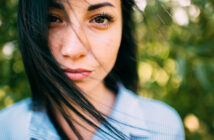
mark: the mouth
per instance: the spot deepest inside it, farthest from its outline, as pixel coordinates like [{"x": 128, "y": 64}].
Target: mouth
[{"x": 77, "y": 74}]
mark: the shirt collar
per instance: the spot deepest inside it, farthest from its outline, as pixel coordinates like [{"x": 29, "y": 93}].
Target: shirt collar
[
  {"x": 41, "y": 126},
  {"x": 127, "y": 116},
  {"x": 126, "y": 111}
]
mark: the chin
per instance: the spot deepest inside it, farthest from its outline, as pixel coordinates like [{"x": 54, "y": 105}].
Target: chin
[{"x": 88, "y": 86}]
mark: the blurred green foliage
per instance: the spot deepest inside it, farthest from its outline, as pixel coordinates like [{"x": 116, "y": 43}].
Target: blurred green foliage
[
  {"x": 13, "y": 82},
  {"x": 176, "y": 53}
]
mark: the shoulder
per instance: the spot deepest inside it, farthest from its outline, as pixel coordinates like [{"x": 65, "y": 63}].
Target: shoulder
[
  {"x": 159, "y": 117},
  {"x": 159, "y": 111},
  {"x": 16, "y": 110},
  {"x": 156, "y": 110},
  {"x": 15, "y": 119},
  {"x": 162, "y": 118}
]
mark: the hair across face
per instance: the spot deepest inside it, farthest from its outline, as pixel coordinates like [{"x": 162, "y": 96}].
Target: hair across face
[
  {"x": 35, "y": 27},
  {"x": 59, "y": 40},
  {"x": 85, "y": 41}
]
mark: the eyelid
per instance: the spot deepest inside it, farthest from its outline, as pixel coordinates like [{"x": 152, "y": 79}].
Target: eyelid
[
  {"x": 101, "y": 26},
  {"x": 54, "y": 15},
  {"x": 59, "y": 20},
  {"x": 109, "y": 16}
]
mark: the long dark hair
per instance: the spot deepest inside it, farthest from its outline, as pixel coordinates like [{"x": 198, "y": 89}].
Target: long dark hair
[{"x": 50, "y": 87}]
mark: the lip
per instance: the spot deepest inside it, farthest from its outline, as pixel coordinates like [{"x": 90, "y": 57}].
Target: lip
[{"x": 77, "y": 74}]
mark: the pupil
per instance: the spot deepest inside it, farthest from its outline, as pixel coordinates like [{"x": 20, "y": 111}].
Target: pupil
[
  {"x": 99, "y": 19},
  {"x": 52, "y": 19}
]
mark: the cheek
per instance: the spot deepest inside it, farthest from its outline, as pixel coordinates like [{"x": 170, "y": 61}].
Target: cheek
[
  {"x": 54, "y": 42},
  {"x": 105, "y": 48}
]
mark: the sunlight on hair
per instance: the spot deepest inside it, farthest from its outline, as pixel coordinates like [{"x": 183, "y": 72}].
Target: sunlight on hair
[
  {"x": 8, "y": 49},
  {"x": 194, "y": 12},
  {"x": 191, "y": 122},
  {"x": 180, "y": 16},
  {"x": 141, "y": 4}
]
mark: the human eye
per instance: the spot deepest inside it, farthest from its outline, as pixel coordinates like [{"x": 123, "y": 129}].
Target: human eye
[
  {"x": 54, "y": 19},
  {"x": 101, "y": 20}
]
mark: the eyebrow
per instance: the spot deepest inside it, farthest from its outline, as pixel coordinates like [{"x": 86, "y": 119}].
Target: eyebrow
[
  {"x": 90, "y": 8},
  {"x": 57, "y": 5},
  {"x": 99, "y": 5}
]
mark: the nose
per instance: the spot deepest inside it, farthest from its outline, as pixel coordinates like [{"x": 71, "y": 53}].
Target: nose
[{"x": 74, "y": 45}]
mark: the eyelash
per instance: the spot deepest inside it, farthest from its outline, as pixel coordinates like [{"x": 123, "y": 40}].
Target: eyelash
[
  {"x": 51, "y": 16},
  {"x": 54, "y": 19},
  {"x": 108, "y": 17}
]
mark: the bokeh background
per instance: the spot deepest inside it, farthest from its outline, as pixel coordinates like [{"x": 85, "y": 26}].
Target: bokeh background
[{"x": 176, "y": 53}]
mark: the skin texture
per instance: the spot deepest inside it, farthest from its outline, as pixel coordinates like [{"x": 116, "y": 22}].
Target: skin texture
[
  {"x": 90, "y": 41},
  {"x": 85, "y": 43}
]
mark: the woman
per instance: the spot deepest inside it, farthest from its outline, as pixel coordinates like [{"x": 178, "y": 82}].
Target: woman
[{"x": 80, "y": 58}]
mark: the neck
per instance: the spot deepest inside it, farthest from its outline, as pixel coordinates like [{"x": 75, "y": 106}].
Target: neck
[{"x": 102, "y": 99}]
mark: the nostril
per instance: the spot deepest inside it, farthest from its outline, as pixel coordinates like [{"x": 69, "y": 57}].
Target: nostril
[
  {"x": 75, "y": 55},
  {"x": 74, "y": 52},
  {"x": 81, "y": 56}
]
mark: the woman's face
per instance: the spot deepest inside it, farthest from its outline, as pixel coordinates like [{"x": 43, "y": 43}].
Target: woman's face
[{"x": 87, "y": 47}]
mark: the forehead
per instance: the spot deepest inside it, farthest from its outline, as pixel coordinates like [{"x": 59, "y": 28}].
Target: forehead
[{"x": 85, "y": 4}]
